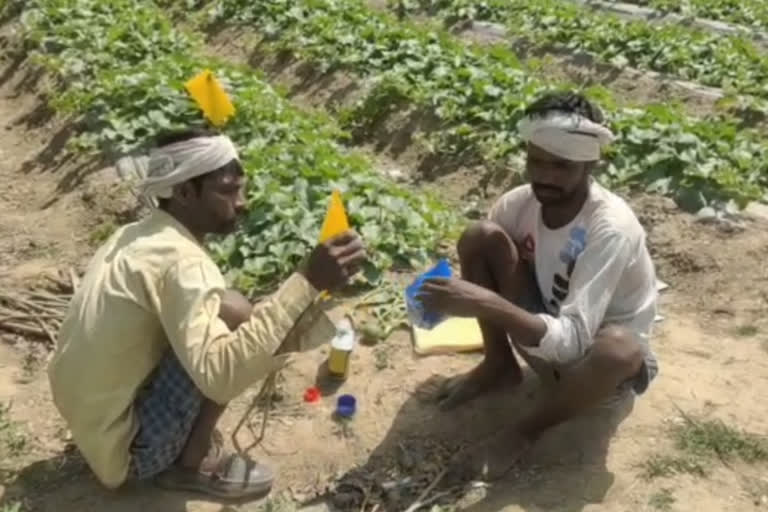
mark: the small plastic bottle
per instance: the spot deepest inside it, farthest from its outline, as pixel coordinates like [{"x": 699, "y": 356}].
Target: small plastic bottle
[
  {"x": 419, "y": 316},
  {"x": 341, "y": 349}
]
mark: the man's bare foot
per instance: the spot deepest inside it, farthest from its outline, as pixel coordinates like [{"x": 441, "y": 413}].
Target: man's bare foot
[
  {"x": 463, "y": 388},
  {"x": 492, "y": 458}
]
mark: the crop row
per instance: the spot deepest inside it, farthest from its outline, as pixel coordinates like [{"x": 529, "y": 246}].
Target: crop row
[
  {"x": 749, "y": 13},
  {"x": 479, "y": 94},
  {"x": 728, "y": 62}
]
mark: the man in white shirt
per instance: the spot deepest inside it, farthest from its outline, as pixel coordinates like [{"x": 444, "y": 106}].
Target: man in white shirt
[{"x": 559, "y": 274}]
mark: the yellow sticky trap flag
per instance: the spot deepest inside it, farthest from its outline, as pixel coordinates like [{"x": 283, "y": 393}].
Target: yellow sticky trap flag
[
  {"x": 336, "y": 221},
  {"x": 211, "y": 98}
]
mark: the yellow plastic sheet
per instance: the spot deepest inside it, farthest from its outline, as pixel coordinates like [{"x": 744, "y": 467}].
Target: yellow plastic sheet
[
  {"x": 336, "y": 221},
  {"x": 452, "y": 335},
  {"x": 211, "y": 97}
]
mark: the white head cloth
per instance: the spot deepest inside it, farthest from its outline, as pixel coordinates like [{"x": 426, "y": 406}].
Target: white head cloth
[
  {"x": 176, "y": 163},
  {"x": 567, "y": 135}
]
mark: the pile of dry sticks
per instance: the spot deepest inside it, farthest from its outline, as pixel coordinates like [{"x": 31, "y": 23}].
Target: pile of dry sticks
[{"x": 38, "y": 314}]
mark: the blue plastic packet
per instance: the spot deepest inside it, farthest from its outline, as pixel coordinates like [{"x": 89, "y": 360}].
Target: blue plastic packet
[{"x": 418, "y": 315}]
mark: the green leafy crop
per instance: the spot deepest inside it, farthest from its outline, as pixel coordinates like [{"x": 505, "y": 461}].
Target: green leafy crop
[
  {"x": 749, "y": 13},
  {"x": 729, "y": 62},
  {"x": 479, "y": 94},
  {"x": 123, "y": 66}
]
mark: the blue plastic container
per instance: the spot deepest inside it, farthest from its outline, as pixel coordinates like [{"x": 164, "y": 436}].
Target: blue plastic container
[
  {"x": 346, "y": 406},
  {"x": 418, "y": 315}
]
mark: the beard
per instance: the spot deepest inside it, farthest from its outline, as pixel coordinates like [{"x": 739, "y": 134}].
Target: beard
[
  {"x": 224, "y": 224},
  {"x": 227, "y": 227},
  {"x": 549, "y": 194}
]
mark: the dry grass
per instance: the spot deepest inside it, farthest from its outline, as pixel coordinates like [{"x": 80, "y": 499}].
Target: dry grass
[
  {"x": 715, "y": 438},
  {"x": 12, "y": 441},
  {"x": 699, "y": 443},
  {"x": 668, "y": 465},
  {"x": 662, "y": 499}
]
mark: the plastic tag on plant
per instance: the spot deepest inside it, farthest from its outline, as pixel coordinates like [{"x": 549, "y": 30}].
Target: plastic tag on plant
[
  {"x": 211, "y": 97},
  {"x": 418, "y": 315},
  {"x": 336, "y": 221}
]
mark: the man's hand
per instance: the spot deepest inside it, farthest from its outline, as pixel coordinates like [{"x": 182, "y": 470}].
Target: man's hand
[
  {"x": 455, "y": 297},
  {"x": 334, "y": 262}
]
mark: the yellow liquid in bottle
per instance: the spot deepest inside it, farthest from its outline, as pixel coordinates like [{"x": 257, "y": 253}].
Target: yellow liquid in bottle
[
  {"x": 341, "y": 350},
  {"x": 338, "y": 363}
]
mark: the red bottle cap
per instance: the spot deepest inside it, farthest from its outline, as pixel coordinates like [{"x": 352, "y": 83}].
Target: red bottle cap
[{"x": 312, "y": 395}]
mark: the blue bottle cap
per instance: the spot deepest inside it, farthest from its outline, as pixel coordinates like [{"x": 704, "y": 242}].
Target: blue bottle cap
[{"x": 346, "y": 406}]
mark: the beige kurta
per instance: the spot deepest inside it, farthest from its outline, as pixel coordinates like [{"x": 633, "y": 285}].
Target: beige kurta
[{"x": 151, "y": 286}]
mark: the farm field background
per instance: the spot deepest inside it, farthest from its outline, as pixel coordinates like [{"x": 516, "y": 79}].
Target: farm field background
[{"x": 409, "y": 107}]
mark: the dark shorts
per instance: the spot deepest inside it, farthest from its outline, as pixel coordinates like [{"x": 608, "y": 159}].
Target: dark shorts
[
  {"x": 167, "y": 408},
  {"x": 534, "y": 303}
]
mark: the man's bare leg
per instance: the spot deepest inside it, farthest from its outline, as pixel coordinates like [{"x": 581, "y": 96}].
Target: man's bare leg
[
  {"x": 200, "y": 440},
  {"x": 235, "y": 309},
  {"x": 615, "y": 358},
  {"x": 488, "y": 258}
]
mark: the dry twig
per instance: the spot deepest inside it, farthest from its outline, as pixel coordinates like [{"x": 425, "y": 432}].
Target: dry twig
[
  {"x": 51, "y": 336},
  {"x": 22, "y": 329},
  {"x": 74, "y": 279},
  {"x": 366, "y": 497},
  {"x": 264, "y": 395},
  {"x": 35, "y": 314},
  {"x": 422, "y": 500}
]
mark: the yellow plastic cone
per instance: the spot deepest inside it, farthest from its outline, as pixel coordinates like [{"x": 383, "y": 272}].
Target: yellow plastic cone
[
  {"x": 211, "y": 97},
  {"x": 336, "y": 221}
]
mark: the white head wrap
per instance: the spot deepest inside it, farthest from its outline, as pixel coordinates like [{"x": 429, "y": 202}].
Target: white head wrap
[
  {"x": 176, "y": 163},
  {"x": 567, "y": 135}
]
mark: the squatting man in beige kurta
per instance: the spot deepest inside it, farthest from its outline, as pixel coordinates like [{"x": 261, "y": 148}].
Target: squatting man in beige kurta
[{"x": 154, "y": 345}]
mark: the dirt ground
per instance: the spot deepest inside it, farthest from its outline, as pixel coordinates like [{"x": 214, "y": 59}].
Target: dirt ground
[{"x": 712, "y": 347}]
